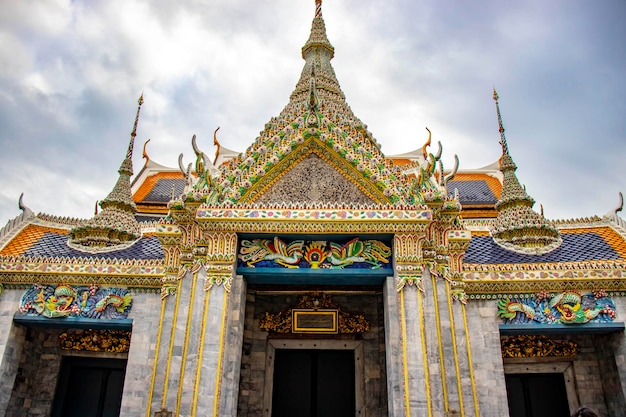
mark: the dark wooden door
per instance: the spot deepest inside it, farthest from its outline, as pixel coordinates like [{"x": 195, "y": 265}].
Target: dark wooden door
[
  {"x": 313, "y": 383},
  {"x": 537, "y": 395},
  {"x": 89, "y": 387}
]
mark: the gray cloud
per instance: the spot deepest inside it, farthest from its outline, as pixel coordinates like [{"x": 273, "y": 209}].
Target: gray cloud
[{"x": 71, "y": 72}]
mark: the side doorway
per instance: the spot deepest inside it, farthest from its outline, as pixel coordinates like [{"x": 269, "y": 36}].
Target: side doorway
[
  {"x": 89, "y": 387},
  {"x": 540, "y": 389}
]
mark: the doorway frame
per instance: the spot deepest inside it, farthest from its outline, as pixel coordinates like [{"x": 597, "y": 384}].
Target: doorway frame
[
  {"x": 533, "y": 366},
  {"x": 312, "y": 344}
]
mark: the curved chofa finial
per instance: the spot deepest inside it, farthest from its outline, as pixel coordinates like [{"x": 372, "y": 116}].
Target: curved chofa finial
[
  {"x": 145, "y": 151},
  {"x": 451, "y": 175},
  {"x": 204, "y": 166},
  {"x": 439, "y": 151},
  {"x": 17, "y": 221},
  {"x": 427, "y": 144},
  {"x": 115, "y": 226},
  {"x": 613, "y": 217},
  {"x": 217, "y": 144},
  {"x": 620, "y": 206},
  {"x": 181, "y": 166},
  {"x": 518, "y": 227},
  {"x": 20, "y": 204}
]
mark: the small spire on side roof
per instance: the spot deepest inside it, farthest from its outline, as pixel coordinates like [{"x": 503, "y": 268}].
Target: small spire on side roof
[
  {"x": 518, "y": 227},
  {"x": 115, "y": 226}
]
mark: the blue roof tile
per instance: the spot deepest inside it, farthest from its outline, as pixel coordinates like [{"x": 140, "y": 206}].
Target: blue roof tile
[
  {"x": 473, "y": 192},
  {"x": 55, "y": 245},
  {"x": 162, "y": 190},
  {"x": 576, "y": 247}
]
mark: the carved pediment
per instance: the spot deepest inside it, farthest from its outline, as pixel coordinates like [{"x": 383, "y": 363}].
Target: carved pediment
[{"x": 314, "y": 180}]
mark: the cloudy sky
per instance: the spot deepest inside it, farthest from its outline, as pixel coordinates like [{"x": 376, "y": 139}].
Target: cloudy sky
[{"x": 71, "y": 73}]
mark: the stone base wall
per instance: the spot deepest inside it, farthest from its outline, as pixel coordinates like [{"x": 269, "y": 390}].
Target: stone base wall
[
  {"x": 38, "y": 371},
  {"x": 37, "y": 356},
  {"x": 256, "y": 344},
  {"x": 11, "y": 343}
]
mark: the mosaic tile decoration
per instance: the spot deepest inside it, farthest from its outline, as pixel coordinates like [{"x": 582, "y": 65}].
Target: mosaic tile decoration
[{"x": 568, "y": 307}]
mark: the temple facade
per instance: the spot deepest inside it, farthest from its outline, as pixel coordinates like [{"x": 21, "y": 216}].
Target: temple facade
[{"x": 313, "y": 275}]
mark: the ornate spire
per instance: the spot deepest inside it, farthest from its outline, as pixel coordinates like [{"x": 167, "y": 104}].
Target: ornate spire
[
  {"x": 518, "y": 227},
  {"x": 317, "y": 115},
  {"x": 318, "y": 38},
  {"x": 115, "y": 226},
  {"x": 317, "y": 52}
]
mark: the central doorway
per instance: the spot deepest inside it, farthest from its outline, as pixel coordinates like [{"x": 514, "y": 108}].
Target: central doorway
[
  {"x": 313, "y": 383},
  {"x": 314, "y": 377}
]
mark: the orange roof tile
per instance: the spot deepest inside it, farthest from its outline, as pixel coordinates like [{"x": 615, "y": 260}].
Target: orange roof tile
[
  {"x": 151, "y": 181},
  {"x": 401, "y": 161},
  {"x": 27, "y": 237},
  {"x": 610, "y": 236},
  {"x": 493, "y": 183}
]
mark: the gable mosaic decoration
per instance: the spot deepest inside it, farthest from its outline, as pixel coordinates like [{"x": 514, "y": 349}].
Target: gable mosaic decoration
[
  {"x": 58, "y": 301},
  {"x": 568, "y": 307},
  {"x": 276, "y": 253}
]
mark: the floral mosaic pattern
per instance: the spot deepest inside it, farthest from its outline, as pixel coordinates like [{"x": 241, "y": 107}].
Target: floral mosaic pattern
[{"x": 312, "y": 214}]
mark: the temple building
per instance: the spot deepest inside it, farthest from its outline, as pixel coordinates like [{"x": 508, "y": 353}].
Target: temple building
[{"x": 313, "y": 275}]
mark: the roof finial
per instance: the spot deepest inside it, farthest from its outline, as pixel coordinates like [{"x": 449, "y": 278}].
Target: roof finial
[
  {"x": 217, "y": 144},
  {"x": 517, "y": 226},
  {"x": 318, "y": 38},
  {"x": 505, "y": 148},
  {"x": 145, "y": 151},
  {"x": 129, "y": 154},
  {"x": 115, "y": 226}
]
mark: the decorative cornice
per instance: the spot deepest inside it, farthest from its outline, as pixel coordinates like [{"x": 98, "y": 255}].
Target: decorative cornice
[
  {"x": 18, "y": 269},
  {"x": 139, "y": 281},
  {"x": 490, "y": 287}
]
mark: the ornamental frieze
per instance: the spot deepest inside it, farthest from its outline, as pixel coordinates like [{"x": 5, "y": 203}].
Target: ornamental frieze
[
  {"x": 334, "y": 215},
  {"x": 115, "y": 341},
  {"x": 570, "y": 307},
  {"x": 533, "y": 346},
  {"x": 11, "y": 264},
  {"x": 278, "y": 253},
  {"x": 58, "y": 301}
]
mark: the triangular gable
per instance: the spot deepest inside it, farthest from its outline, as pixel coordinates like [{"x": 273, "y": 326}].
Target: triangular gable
[{"x": 313, "y": 180}]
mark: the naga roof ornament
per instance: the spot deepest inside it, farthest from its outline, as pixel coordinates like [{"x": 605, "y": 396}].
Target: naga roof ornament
[
  {"x": 518, "y": 227},
  {"x": 115, "y": 226}
]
